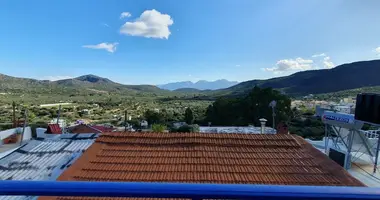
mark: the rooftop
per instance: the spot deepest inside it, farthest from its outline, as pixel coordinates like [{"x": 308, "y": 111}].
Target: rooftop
[
  {"x": 207, "y": 158},
  {"x": 54, "y": 129},
  {"x": 236, "y": 129},
  {"x": 85, "y": 128},
  {"x": 41, "y": 159}
]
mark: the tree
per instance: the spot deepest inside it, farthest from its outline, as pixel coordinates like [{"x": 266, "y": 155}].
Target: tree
[
  {"x": 189, "y": 116},
  {"x": 153, "y": 117},
  {"x": 241, "y": 111}
]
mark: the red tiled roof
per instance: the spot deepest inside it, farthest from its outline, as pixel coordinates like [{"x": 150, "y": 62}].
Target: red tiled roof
[
  {"x": 54, "y": 129},
  {"x": 84, "y": 128},
  {"x": 102, "y": 128},
  {"x": 207, "y": 158}
]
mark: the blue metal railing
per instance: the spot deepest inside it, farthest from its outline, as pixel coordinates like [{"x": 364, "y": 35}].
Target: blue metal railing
[{"x": 179, "y": 190}]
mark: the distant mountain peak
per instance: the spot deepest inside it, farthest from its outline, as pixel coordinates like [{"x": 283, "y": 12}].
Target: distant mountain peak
[
  {"x": 199, "y": 85},
  {"x": 93, "y": 79}
]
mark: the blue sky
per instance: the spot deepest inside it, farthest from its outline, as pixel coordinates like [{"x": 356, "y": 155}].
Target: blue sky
[{"x": 164, "y": 41}]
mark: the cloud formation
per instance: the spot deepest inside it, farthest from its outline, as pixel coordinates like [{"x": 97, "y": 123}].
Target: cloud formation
[
  {"x": 110, "y": 47},
  {"x": 318, "y": 55},
  {"x": 150, "y": 24},
  {"x": 56, "y": 78},
  {"x": 105, "y": 24},
  {"x": 125, "y": 15},
  {"x": 328, "y": 64},
  {"x": 297, "y": 64},
  {"x": 377, "y": 50}
]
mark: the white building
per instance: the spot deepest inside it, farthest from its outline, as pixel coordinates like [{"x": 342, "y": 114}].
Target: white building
[
  {"x": 144, "y": 123},
  {"x": 61, "y": 122},
  {"x": 343, "y": 109}
]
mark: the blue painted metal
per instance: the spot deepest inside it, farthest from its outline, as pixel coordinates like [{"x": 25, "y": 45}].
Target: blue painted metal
[{"x": 178, "y": 190}]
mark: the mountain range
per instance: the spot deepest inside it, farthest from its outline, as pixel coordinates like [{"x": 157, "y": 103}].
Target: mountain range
[
  {"x": 80, "y": 85},
  {"x": 343, "y": 77},
  {"x": 199, "y": 85}
]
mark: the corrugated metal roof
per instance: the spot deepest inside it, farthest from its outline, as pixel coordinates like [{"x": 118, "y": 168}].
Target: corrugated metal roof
[{"x": 41, "y": 160}]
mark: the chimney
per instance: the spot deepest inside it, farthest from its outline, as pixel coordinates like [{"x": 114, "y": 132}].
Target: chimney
[{"x": 262, "y": 122}]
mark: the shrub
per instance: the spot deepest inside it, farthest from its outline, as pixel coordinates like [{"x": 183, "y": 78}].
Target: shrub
[
  {"x": 188, "y": 128},
  {"x": 158, "y": 128}
]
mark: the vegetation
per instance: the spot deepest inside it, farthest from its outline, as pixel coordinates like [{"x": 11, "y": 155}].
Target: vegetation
[
  {"x": 189, "y": 116},
  {"x": 99, "y": 100},
  {"x": 337, "y": 96},
  {"x": 158, "y": 128},
  {"x": 187, "y": 129},
  {"x": 308, "y": 126},
  {"x": 240, "y": 111}
]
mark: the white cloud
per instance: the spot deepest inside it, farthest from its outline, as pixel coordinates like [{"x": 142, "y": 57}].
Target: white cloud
[
  {"x": 328, "y": 63},
  {"x": 104, "y": 24},
  {"x": 150, "y": 24},
  {"x": 110, "y": 47},
  {"x": 125, "y": 15},
  {"x": 237, "y": 65},
  {"x": 297, "y": 64},
  {"x": 377, "y": 50},
  {"x": 318, "y": 55},
  {"x": 55, "y": 78}
]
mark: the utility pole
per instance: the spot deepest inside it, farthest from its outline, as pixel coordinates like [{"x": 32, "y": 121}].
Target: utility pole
[
  {"x": 125, "y": 120},
  {"x": 23, "y": 128},
  {"x": 14, "y": 114},
  {"x": 273, "y": 104},
  {"x": 273, "y": 115},
  {"x": 59, "y": 113}
]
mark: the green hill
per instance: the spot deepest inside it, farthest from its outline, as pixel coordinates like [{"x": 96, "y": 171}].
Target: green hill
[
  {"x": 343, "y": 77},
  {"x": 81, "y": 85}
]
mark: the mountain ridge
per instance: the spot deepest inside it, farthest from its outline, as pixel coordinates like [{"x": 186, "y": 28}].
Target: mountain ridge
[
  {"x": 343, "y": 77},
  {"x": 348, "y": 76},
  {"x": 199, "y": 85}
]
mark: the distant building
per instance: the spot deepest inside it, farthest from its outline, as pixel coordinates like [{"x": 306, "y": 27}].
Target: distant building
[
  {"x": 143, "y": 123},
  {"x": 179, "y": 124},
  {"x": 343, "y": 109},
  {"x": 351, "y": 100},
  {"x": 84, "y": 128},
  {"x": 310, "y": 96},
  {"x": 86, "y": 112},
  {"x": 54, "y": 129},
  {"x": 61, "y": 122}
]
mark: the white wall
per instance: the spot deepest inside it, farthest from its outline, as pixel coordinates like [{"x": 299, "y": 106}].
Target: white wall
[
  {"x": 41, "y": 133},
  {"x": 7, "y": 133}
]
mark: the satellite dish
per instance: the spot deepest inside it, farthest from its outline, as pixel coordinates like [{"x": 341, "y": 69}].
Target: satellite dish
[{"x": 273, "y": 104}]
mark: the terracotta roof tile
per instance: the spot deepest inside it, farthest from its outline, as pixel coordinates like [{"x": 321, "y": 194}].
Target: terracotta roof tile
[{"x": 206, "y": 158}]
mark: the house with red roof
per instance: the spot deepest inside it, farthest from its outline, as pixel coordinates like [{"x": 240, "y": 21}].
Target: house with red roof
[
  {"x": 53, "y": 129},
  {"x": 85, "y": 128}
]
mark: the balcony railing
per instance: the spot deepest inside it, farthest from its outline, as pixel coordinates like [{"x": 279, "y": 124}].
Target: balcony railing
[{"x": 189, "y": 191}]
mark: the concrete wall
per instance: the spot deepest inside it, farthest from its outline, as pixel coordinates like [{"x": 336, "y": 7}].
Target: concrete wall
[
  {"x": 7, "y": 133},
  {"x": 41, "y": 133},
  {"x": 236, "y": 129}
]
